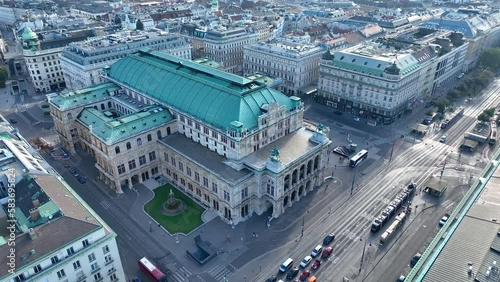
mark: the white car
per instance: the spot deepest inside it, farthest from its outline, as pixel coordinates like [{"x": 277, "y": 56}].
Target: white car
[
  {"x": 307, "y": 260},
  {"x": 442, "y": 139},
  {"x": 356, "y": 119},
  {"x": 443, "y": 220},
  {"x": 317, "y": 251}
]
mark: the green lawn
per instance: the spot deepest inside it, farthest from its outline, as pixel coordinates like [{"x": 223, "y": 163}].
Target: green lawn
[{"x": 185, "y": 222}]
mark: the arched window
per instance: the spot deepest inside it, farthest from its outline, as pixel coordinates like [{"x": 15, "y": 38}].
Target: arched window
[
  {"x": 117, "y": 149},
  {"x": 149, "y": 137},
  {"x": 158, "y": 134},
  {"x": 168, "y": 130},
  {"x": 139, "y": 141},
  {"x": 128, "y": 146},
  {"x": 102, "y": 107},
  {"x": 95, "y": 107},
  {"x": 109, "y": 104}
]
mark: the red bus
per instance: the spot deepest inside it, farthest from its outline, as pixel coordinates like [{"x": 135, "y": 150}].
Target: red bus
[{"x": 150, "y": 269}]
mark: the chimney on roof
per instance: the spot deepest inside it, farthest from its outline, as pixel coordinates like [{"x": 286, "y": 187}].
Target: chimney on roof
[
  {"x": 32, "y": 234},
  {"x": 34, "y": 214},
  {"x": 36, "y": 203}
]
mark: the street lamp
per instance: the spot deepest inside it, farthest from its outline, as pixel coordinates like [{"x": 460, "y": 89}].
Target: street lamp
[
  {"x": 353, "y": 178},
  {"x": 362, "y": 256}
]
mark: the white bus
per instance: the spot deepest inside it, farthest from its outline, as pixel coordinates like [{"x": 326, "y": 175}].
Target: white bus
[{"x": 358, "y": 158}]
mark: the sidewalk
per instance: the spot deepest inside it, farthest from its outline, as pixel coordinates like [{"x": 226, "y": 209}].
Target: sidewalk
[{"x": 7, "y": 101}]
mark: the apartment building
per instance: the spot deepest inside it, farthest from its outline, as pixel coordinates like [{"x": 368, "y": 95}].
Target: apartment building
[
  {"x": 42, "y": 56},
  {"x": 384, "y": 79},
  {"x": 231, "y": 143},
  {"x": 296, "y": 65},
  {"x": 82, "y": 62},
  {"x": 57, "y": 236},
  {"x": 226, "y": 46}
]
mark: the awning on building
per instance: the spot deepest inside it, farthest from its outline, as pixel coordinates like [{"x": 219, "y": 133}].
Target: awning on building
[
  {"x": 420, "y": 128},
  {"x": 470, "y": 144},
  {"x": 309, "y": 89}
]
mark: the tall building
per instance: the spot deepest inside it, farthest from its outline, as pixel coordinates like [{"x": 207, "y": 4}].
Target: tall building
[
  {"x": 231, "y": 143},
  {"x": 41, "y": 54},
  {"x": 226, "y": 47},
  {"x": 382, "y": 79},
  {"x": 296, "y": 65},
  {"x": 52, "y": 234},
  {"x": 81, "y": 62}
]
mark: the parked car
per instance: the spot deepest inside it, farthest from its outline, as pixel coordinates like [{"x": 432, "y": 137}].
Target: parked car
[
  {"x": 304, "y": 275},
  {"x": 82, "y": 179},
  {"x": 292, "y": 273},
  {"x": 442, "y": 139},
  {"x": 415, "y": 259},
  {"x": 316, "y": 264},
  {"x": 76, "y": 174},
  {"x": 356, "y": 118},
  {"x": 307, "y": 260},
  {"x": 328, "y": 239},
  {"x": 136, "y": 279},
  {"x": 316, "y": 251},
  {"x": 401, "y": 278},
  {"x": 13, "y": 120},
  {"x": 327, "y": 252},
  {"x": 72, "y": 170}
]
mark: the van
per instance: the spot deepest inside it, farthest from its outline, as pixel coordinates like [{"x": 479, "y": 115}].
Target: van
[
  {"x": 286, "y": 265},
  {"x": 312, "y": 279}
]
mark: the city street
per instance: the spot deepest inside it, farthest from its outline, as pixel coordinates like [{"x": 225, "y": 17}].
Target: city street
[{"x": 392, "y": 163}]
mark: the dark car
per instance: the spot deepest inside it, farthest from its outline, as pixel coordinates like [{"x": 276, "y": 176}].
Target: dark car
[
  {"x": 292, "y": 273},
  {"x": 136, "y": 279},
  {"x": 82, "y": 179},
  {"x": 72, "y": 170},
  {"x": 327, "y": 252},
  {"x": 316, "y": 264},
  {"x": 13, "y": 120},
  {"x": 304, "y": 275},
  {"x": 328, "y": 239},
  {"x": 271, "y": 279},
  {"x": 415, "y": 259}
]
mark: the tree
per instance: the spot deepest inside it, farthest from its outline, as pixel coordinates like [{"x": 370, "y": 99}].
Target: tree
[
  {"x": 483, "y": 117},
  {"x": 490, "y": 58},
  {"x": 454, "y": 94},
  {"x": 139, "y": 25},
  {"x": 442, "y": 104},
  {"x": 3, "y": 76}
]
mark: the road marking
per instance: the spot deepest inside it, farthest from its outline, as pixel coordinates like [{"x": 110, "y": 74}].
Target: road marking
[{"x": 105, "y": 204}]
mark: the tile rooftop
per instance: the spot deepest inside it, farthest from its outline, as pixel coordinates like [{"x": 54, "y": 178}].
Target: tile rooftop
[{"x": 84, "y": 96}]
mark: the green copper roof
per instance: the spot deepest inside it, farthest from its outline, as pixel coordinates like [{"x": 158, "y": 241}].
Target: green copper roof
[
  {"x": 216, "y": 97},
  {"x": 84, "y": 96},
  {"x": 111, "y": 130},
  {"x": 28, "y": 34}
]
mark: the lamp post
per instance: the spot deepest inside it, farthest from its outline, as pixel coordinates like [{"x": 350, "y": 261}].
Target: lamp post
[
  {"x": 392, "y": 151},
  {"x": 362, "y": 257}
]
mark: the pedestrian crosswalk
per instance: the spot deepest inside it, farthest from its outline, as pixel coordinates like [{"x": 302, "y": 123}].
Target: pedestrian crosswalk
[
  {"x": 105, "y": 204},
  {"x": 220, "y": 272},
  {"x": 182, "y": 274}
]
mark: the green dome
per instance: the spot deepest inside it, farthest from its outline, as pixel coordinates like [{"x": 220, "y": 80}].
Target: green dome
[{"x": 28, "y": 34}]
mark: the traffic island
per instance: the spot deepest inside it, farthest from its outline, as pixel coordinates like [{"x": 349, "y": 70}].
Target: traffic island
[{"x": 187, "y": 216}]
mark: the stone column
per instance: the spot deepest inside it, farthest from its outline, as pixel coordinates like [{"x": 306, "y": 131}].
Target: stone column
[{"x": 118, "y": 187}]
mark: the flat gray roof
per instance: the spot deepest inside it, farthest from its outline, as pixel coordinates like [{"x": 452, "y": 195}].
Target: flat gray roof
[
  {"x": 291, "y": 147},
  {"x": 475, "y": 241},
  {"x": 212, "y": 161}
]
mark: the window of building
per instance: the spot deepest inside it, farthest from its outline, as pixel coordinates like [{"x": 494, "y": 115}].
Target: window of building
[
  {"x": 91, "y": 257},
  {"x": 154, "y": 170},
  {"x": 139, "y": 141},
  {"x": 181, "y": 167},
  {"x": 61, "y": 274},
  {"x": 197, "y": 126},
  {"x": 149, "y": 137},
  {"x": 113, "y": 277},
  {"x": 77, "y": 265},
  {"x": 121, "y": 169},
  {"x": 188, "y": 170},
  {"x": 97, "y": 276},
  {"x": 94, "y": 266},
  {"x": 214, "y": 188},
  {"x": 207, "y": 198},
  {"x": 129, "y": 146},
  {"x": 142, "y": 160},
  {"x": 165, "y": 156},
  {"x": 37, "y": 268},
  {"x": 244, "y": 193},
  {"x": 198, "y": 192},
  {"x": 70, "y": 251},
  {"x": 223, "y": 139},
  {"x": 205, "y": 181},
  {"x": 117, "y": 149},
  {"x": 226, "y": 196},
  {"x": 108, "y": 258},
  {"x": 197, "y": 177},
  {"x": 172, "y": 160},
  {"x": 152, "y": 156},
  {"x": 232, "y": 144},
  {"x": 85, "y": 243},
  {"x": 270, "y": 189},
  {"x": 54, "y": 259},
  {"x": 131, "y": 165},
  {"x": 205, "y": 130}
]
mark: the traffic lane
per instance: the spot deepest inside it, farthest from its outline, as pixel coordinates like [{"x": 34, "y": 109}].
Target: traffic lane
[{"x": 395, "y": 260}]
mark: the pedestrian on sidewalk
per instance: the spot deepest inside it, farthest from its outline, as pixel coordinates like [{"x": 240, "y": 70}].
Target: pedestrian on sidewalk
[{"x": 253, "y": 234}]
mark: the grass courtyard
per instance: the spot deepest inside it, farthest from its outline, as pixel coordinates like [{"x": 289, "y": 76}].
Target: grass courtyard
[{"x": 185, "y": 222}]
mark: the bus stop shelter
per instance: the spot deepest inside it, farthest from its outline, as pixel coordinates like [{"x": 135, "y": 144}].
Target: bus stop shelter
[
  {"x": 419, "y": 128},
  {"x": 469, "y": 144},
  {"x": 435, "y": 186}
]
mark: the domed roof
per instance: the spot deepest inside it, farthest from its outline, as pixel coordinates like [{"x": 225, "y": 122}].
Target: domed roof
[
  {"x": 327, "y": 56},
  {"x": 28, "y": 34},
  {"x": 392, "y": 69}
]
